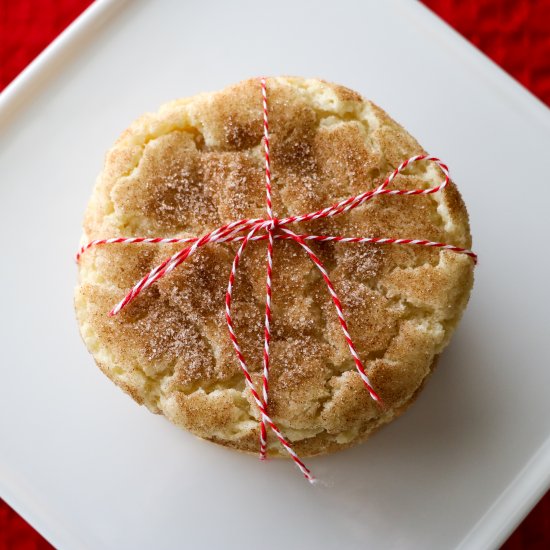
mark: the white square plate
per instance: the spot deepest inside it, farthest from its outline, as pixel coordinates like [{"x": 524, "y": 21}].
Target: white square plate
[{"x": 90, "y": 469}]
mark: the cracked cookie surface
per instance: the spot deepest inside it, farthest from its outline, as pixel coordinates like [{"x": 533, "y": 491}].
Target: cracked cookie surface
[{"x": 198, "y": 164}]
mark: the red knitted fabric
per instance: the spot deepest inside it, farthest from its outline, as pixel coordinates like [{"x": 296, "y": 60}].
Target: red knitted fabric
[{"x": 514, "y": 33}]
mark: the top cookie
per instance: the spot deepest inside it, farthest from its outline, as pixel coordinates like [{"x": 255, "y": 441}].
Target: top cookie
[{"x": 197, "y": 164}]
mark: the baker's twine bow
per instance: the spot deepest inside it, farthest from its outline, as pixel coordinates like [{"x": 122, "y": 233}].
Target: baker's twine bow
[{"x": 271, "y": 228}]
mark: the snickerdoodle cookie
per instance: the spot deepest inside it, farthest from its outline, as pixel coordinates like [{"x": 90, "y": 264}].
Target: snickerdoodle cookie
[{"x": 198, "y": 164}]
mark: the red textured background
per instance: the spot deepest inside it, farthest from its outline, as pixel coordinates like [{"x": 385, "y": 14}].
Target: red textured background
[{"x": 514, "y": 33}]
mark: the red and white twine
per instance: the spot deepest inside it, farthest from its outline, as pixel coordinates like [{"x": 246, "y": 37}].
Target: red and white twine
[
  {"x": 269, "y": 268},
  {"x": 271, "y": 228}
]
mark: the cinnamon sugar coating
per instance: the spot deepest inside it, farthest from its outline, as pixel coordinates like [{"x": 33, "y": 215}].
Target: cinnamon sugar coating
[{"x": 198, "y": 164}]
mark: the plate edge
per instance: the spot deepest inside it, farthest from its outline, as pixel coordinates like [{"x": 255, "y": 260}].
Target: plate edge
[
  {"x": 16, "y": 94},
  {"x": 12, "y": 99},
  {"x": 514, "y": 503},
  {"x": 492, "y": 72}
]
